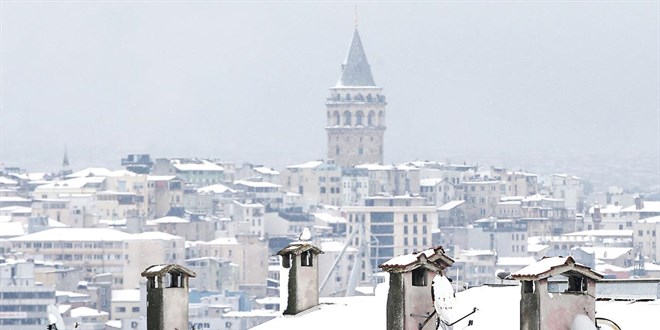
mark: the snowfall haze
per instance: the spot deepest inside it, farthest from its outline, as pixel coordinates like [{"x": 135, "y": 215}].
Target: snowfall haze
[{"x": 505, "y": 82}]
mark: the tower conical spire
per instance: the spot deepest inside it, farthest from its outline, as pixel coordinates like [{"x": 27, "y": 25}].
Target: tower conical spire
[{"x": 356, "y": 70}]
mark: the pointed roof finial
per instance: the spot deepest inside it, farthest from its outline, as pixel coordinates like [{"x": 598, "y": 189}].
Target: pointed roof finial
[{"x": 355, "y": 17}]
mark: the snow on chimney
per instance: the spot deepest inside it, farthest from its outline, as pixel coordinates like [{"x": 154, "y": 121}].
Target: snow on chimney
[{"x": 301, "y": 260}]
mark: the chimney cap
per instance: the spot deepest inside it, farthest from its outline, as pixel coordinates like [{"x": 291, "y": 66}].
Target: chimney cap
[
  {"x": 160, "y": 270},
  {"x": 298, "y": 247},
  {"x": 548, "y": 267},
  {"x": 434, "y": 259}
]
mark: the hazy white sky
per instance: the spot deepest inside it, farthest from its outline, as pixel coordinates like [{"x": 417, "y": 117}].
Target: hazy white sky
[{"x": 248, "y": 81}]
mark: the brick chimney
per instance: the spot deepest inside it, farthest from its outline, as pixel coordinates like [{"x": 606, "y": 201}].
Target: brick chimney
[
  {"x": 555, "y": 305},
  {"x": 167, "y": 296},
  {"x": 301, "y": 260},
  {"x": 409, "y": 301}
]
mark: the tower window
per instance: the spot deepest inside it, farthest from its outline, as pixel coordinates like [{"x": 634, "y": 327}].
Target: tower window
[
  {"x": 360, "y": 151},
  {"x": 347, "y": 118},
  {"x": 337, "y": 151},
  {"x": 370, "y": 118},
  {"x": 359, "y": 118}
]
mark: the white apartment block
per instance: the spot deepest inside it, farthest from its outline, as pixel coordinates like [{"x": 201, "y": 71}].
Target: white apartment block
[
  {"x": 249, "y": 252},
  {"x": 100, "y": 250},
  {"x": 317, "y": 182},
  {"x": 249, "y": 218},
  {"x": 646, "y": 234}
]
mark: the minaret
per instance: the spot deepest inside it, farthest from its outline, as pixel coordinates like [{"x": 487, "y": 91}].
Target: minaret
[
  {"x": 65, "y": 163},
  {"x": 356, "y": 112}
]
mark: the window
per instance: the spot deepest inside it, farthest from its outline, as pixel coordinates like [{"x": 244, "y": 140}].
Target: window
[
  {"x": 120, "y": 309},
  {"x": 640, "y": 233},
  {"x": 135, "y": 309}
]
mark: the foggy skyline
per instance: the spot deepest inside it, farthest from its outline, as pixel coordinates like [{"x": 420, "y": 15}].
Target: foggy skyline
[{"x": 473, "y": 81}]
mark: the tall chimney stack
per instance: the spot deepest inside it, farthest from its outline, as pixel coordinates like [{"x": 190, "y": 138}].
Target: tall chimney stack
[
  {"x": 167, "y": 296},
  {"x": 301, "y": 260}
]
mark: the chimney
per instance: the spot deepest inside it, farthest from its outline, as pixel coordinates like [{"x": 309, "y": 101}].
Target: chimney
[
  {"x": 301, "y": 260},
  {"x": 409, "y": 301},
  {"x": 639, "y": 203},
  {"x": 546, "y": 304},
  {"x": 167, "y": 300}
]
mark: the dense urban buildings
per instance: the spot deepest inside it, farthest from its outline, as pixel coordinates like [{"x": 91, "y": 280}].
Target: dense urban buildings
[{"x": 80, "y": 239}]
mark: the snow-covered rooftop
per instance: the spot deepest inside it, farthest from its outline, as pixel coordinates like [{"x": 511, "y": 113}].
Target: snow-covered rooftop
[
  {"x": 608, "y": 253},
  {"x": 87, "y": 312},
  {"x": 450, "y": 205},
  {"x": 649, "y": 206},
  {"x": 266, "y": 170},
  {"x": 216, "y": 189},
  {"x": 11, "y": 229},
  {"x": 203, "y": 165},
  {"x": 603, "y": 233},
  {"x": 128, "y": 295},
  {"x": 257, "y": 184},
  {"x": 310, "y": 164},
  {"x": 75, "y": 234},
  {"x": 91, "y": 171},
  {"x": 329, "y": 218},
  {"x": 169, "y": 219}
]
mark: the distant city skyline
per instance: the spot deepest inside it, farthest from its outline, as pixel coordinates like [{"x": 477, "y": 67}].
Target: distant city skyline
[{"x": 501, "y": 82}]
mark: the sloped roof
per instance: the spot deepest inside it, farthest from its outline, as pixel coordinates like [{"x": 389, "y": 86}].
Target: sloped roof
[
  {"x": 299, "y": 247},
  {"x": 549, "y": 267},
  {"x": 159, "y": 270},
  {"x": 356, "y": 71},
  {"x": 434, "y": 259}
]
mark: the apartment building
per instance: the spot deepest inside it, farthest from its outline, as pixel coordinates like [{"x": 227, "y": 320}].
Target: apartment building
[{"x": 392, "y": 225}]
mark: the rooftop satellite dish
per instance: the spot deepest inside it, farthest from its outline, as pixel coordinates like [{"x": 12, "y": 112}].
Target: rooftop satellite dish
[
  {"x": 503, "y": 275},
  {"x": 54, "y": 318}
]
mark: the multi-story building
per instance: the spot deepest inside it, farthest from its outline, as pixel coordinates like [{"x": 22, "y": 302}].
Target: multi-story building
[
  {"x": 23, "y": 302},
  {"x": 213, "y": 274},
  {"x": 102, "y": 250},
  {"x": 570, "y": 189},
  {"x": 265, "y": 193},
  {"x": 354, "y": 185},
  {"x": 393, "y": 180},
  {"x": 249, "y": 218},
  {"x": 481, "y": 197},
  {"x": 355, "y": 112},
  {"x": 165, "y": 192},
  {"x": 317, "y": 182},
  {"x": 437, "y": 191},
  {"x": 646, "y": 237},
  {"x": 192, "y": 228},
  {"x": 149, "y": 248},
  {"x": 249, "y": 252},
  {"x": 392, "y": 225},
  {"x": 474, "y": 267},
  {"x": 197, "y": 172}
]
